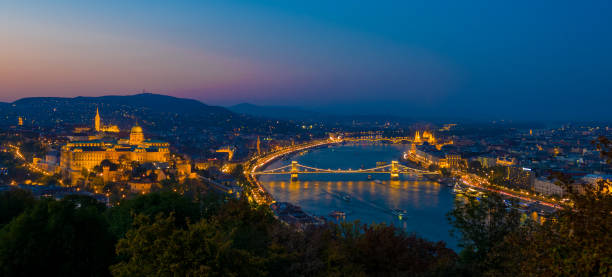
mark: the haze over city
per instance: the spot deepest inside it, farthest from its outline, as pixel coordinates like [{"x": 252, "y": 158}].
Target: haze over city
[{"x": 525, "y": 60}]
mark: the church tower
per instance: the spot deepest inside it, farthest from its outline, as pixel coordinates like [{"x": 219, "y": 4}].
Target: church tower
[
  {"x": 97, "y": 121},
  {"x": 258, "y": 146}
]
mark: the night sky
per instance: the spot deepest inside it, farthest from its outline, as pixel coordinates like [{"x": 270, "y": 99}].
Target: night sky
[{"x": 518, "y": 60}]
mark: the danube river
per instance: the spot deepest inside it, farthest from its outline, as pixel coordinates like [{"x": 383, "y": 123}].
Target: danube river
[{"x": 368, "y": 200}]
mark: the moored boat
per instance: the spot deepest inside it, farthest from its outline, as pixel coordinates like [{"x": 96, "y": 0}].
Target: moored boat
[
  {"x": 399, "y": 212},
  {"x": 337, "y": 214}
]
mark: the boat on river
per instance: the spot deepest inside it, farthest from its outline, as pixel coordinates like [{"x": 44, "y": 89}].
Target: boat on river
[
  {"x": 337, "y": 214},
  {"x": 399, "y": 212},
  {"x": 344, "y": 196},
  {"x": 458, "y": 189}
]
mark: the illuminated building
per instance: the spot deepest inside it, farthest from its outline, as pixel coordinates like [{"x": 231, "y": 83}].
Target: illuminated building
[
  {"x": 505, "y": 161},
  {"x": 429, "y": 137},
  {"x": 213, "y": 162},
  {"x": 453, "y": 160},
  {"x": 417, "y": 137},
  {"x": 547, "y": 187},
  {"x": 447, "y": 127},
  {"x": 140, "y": 186},
  {"x": 521, "y": 177},
  {"x": 97, "y": 121},
  {"x": 79, "y": 155},
  {"x": 426, "y": 150},
  {"x": 81, "y": 129},
  {"x": 136, "y": 136},
  {"x": 426, "y": 154},
  {"x": 487, "y": 161},
  {"x": 229, "y": 150},
  {"x": 426, "y": 137},
  {"x": 20, "y": 121},
  {"x": 103, "y": 128}
]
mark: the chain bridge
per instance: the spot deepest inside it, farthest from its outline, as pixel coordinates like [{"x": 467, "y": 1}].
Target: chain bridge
[{"x": 394, "y": 169}]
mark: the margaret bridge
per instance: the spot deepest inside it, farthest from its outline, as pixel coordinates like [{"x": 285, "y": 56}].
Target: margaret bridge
[{"x": 394, "y": 169}]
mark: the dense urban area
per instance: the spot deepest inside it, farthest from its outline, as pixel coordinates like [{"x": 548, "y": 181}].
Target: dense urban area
[{"x": 149, "y": 184}]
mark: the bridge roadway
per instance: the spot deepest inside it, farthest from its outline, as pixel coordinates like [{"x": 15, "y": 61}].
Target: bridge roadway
[
  {"x": 376, "y": 139},
  {"x": 295, "y": 169}
]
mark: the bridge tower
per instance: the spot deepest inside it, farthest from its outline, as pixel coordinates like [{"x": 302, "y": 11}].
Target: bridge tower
[
  {"x": 394, "y": 170},
  {"x": 294, "y": 170}
]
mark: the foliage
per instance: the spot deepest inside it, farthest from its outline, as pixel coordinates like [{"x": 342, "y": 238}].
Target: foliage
[
  {"x": 56, "y": 238},
  {"x": 386, "y": 250},
  {"x": 245, "y": 240},
  {"x": 122, "y": 216},
  {"x": 445, "y": 172},
  {"x": 604, "y": 145},
  {"x": 480, "y": 224},
  {"x": 166, "y": 233},
  {"x": 13, "y": 203},
  {"x": 157, "y": 248},
  {"x": 576, "y": 240},
  {"x": 474, "y": 166}
]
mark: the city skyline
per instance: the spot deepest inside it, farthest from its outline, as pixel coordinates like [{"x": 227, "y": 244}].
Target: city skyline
[
  {"x": 305, "y": 138},
  {"x": 487, "y": 60}
]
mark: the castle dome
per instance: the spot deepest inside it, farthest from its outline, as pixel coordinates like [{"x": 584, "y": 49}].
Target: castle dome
[
  {"x": 136, "y": 135},
  {"x": 136, "y": 129}
]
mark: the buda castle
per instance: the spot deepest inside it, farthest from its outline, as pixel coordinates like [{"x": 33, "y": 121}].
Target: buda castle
[{"x": 79, "y": 155}]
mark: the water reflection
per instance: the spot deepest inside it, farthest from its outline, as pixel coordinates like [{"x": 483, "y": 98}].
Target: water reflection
[
  {"x": 419, "y": 194},
  {"x": 371, "y": 201}
]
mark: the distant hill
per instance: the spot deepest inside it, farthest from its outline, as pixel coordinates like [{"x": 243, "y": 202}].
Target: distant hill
[
  {"x": 275, "y": 112},
  {"x": 155, "y": 102},
  {"x": 146, "y": 108}
]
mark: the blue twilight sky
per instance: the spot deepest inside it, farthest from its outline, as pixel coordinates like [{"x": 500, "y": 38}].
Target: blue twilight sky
[{"x": 445, "y": 59}]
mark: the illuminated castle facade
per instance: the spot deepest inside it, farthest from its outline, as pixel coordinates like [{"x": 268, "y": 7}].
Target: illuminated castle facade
[{"x": 79, "y": 155}]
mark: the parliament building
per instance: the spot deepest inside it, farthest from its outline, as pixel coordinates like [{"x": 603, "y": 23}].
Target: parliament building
[{"x": 79, "y": 155}]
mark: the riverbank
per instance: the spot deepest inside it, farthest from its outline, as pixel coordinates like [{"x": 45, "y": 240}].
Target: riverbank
[{"x": 261, "y": 196}]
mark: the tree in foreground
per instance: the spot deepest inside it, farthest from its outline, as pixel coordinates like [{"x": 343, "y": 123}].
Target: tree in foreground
[
  {"x": 13, "y": 203},
  {"x": 576, "y": 240},
  {"x": 57, "y": 238},
  {"x": 480, "y": 224},
  {"x": 242, "y": 240},
  {"x": 158, "y": 248}
]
